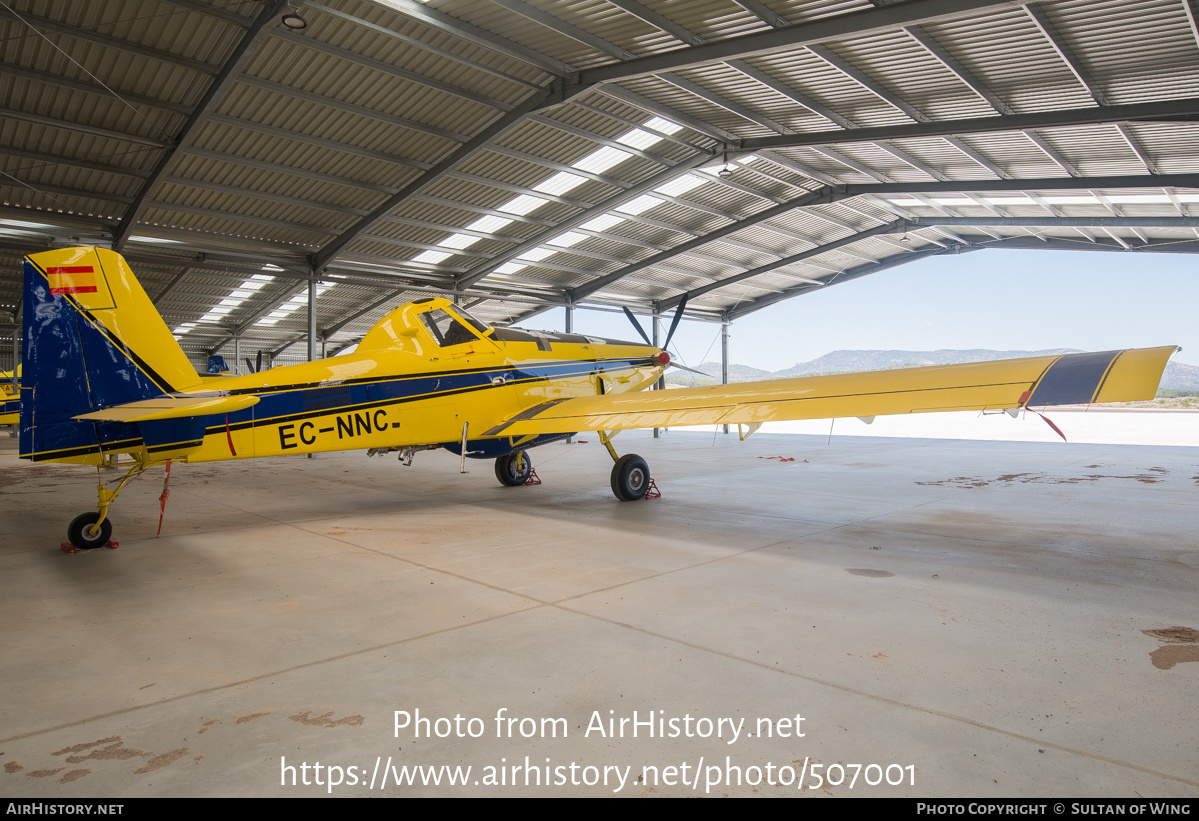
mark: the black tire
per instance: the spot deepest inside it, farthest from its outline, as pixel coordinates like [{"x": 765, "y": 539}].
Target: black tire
[
  {"x": 514, "y": 470},
  {"x": 630, "y": 478},
  {"x": 79, "y": 533}
]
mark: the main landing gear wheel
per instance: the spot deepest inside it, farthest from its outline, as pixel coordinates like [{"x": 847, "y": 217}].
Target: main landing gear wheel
[
  {"x": 514, "y": 470},
  {"x": 630, "y": 478},
  {"x": 85, "y": 535}
]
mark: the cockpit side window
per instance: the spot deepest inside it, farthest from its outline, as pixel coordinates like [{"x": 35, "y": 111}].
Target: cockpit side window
[{"x": 446, "y": 329}]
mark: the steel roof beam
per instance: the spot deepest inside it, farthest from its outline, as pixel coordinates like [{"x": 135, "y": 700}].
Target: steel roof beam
[
  {"x": 645, "y": 186},
  {"x": 1058, "y": 222},
  {"x": 477, "y": 143},
  {"x": 790, "y": 93},
  {"x": 92, "y": 88},
  {"x": 644, "y": 126},
  {"x": 1192, "y": 17},
  {"x": 1161, "y": 110},
  {"x": 888, "y": 228},
  {"x": 214, "y": 11},
  {"x": 412, "y": 41},
  {"x": 278, "y": 168},
  {"x": 228, "y": 215},
  {"x": 261, "y": 195},
  {"x": 273, "y": 305},
  {"x": 654, "y": 107},
  {"x": 596, "y": 138},
  {"x": 34, "y": 21},
  {"x": 533, "y": 159},
  {"x": 321, "y": 142},
  {"x": 387, "y": 68},
  {"x": 351, "y": 108},
  {"x": 1041, "y": 20},
  {"x": 826, "y": 29},
  {"x": 238, "y": 57},
  {"x": 855, "y": 273},
  {"x": 43, "y": 188},
  {"x": 477, "y": 36},
  {"x": 763, "y": 13},
  {"x": 83, "y": 128},
  {"x": 565, "y": 29},
  {"x": 744, "y": 112},
  {"x": 1190, "y": 246},
  {"x": 399, "y": 242},
  {"x": 662, "y": 24},
  {"x": 831, "y": 194},
  {"x": 57, "y": 159}
]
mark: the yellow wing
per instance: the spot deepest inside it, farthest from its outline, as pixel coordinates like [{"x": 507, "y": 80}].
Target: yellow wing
[{"x": 1070, "y": 379}]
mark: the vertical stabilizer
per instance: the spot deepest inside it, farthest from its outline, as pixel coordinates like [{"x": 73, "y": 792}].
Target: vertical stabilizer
[{"x": 91, "y": 339}]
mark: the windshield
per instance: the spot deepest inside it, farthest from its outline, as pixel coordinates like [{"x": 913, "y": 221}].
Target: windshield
[
  {"x": 480, "y": 326},
  {"x": 446, "y": 329}
]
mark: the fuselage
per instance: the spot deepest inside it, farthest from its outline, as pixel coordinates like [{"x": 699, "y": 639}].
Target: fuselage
[{"x": 419, "y": 377}]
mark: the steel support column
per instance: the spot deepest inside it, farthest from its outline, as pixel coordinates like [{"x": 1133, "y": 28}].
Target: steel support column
[
  {"x": 724, "y": 355},
  {"x": 661, "y": 383}
]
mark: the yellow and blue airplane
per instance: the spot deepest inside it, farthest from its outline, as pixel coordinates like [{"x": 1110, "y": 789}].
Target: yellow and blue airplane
[
  {"x": 10, "y": 398},
  {"x": 105, "y": 383}
]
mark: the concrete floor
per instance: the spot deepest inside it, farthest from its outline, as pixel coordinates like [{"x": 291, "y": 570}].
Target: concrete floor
[{"x": 973, "y": 613}]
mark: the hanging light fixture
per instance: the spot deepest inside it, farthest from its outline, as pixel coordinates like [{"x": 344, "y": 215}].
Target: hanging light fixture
[
  {"x": 727, "y": 168},
  {"x": 292, "y": 19}
]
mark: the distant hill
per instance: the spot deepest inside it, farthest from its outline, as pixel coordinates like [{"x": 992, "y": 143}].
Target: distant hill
[{"x": 1177, "y": 376}]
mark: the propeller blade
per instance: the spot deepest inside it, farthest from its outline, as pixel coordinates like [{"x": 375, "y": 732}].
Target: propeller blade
[
  {"x": 258, "y": 364},
  {"x": 250, "y": 365},
  {"x": 674, "y": 323},
  {"x": 674, "y": 364},
  {"x": 636, "y": 325}
]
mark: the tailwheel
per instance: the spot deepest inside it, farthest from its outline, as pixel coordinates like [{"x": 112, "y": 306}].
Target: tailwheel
[
  {"x": 514, "y": 469},
  {"x": 85, "y": 534},
  {"x": 630, "y": 478}
]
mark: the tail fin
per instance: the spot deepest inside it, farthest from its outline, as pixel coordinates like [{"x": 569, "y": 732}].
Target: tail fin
[{"x": 91, "y": 339}]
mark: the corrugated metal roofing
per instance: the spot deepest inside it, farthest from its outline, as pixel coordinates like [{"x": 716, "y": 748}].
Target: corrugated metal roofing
[{"x": 325, "y": 146}]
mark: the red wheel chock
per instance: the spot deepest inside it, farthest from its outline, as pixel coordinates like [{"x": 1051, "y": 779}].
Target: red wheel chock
[
  {"x": 68, "y": 548},
  {"x": 652, "y": 491},
  {"x": 533, "y": 478}
]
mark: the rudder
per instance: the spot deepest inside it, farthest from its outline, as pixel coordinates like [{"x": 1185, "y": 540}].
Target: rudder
[{"x": 91, "y": 339}]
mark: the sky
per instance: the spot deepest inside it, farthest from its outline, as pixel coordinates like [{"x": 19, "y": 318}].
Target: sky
[{"x": 997, "y": 299}]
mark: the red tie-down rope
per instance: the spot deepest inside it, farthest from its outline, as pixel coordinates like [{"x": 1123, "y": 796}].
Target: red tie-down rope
[
  {"x": 229, "y": 436},
  {"x": 162, "y": 500}
]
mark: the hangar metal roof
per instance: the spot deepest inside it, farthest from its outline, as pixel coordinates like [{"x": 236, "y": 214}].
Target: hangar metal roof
[{"x": 529, "y": 154}]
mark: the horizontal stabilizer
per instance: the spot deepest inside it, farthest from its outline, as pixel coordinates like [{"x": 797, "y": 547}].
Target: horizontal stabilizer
[{"x": 170, "y": 407}]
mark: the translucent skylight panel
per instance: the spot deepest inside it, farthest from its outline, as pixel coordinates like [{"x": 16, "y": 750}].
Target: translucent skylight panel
[
  {"x": 538, "y": 254},
  {"x": 431, "y": 257},
  {"x": 638, "y": 138},
  {"x": 639, "y": 204},
  {"x": 560, "y": 183},
  {"x": 665, "y": 126},
  {"x": 568, "y": 239},
  {"x": 458, "y": 241},
  {"x": 602, "y": 222},
  {"x": 510, "y": 268},
  {"x": 597, "y": 162},
  {"x": 524, "y": 204},
  {"x": 489, "y": 224},
  {"x": 679, "y": 185}
]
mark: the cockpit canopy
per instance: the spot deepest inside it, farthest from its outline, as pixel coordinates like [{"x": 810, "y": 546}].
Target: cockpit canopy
[{"x": 436, "y": 317}]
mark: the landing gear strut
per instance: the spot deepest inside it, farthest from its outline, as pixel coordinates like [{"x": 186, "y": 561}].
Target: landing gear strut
[
  {"x": 93, "y": 529},
  {"x": 514, "y": 470}
]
